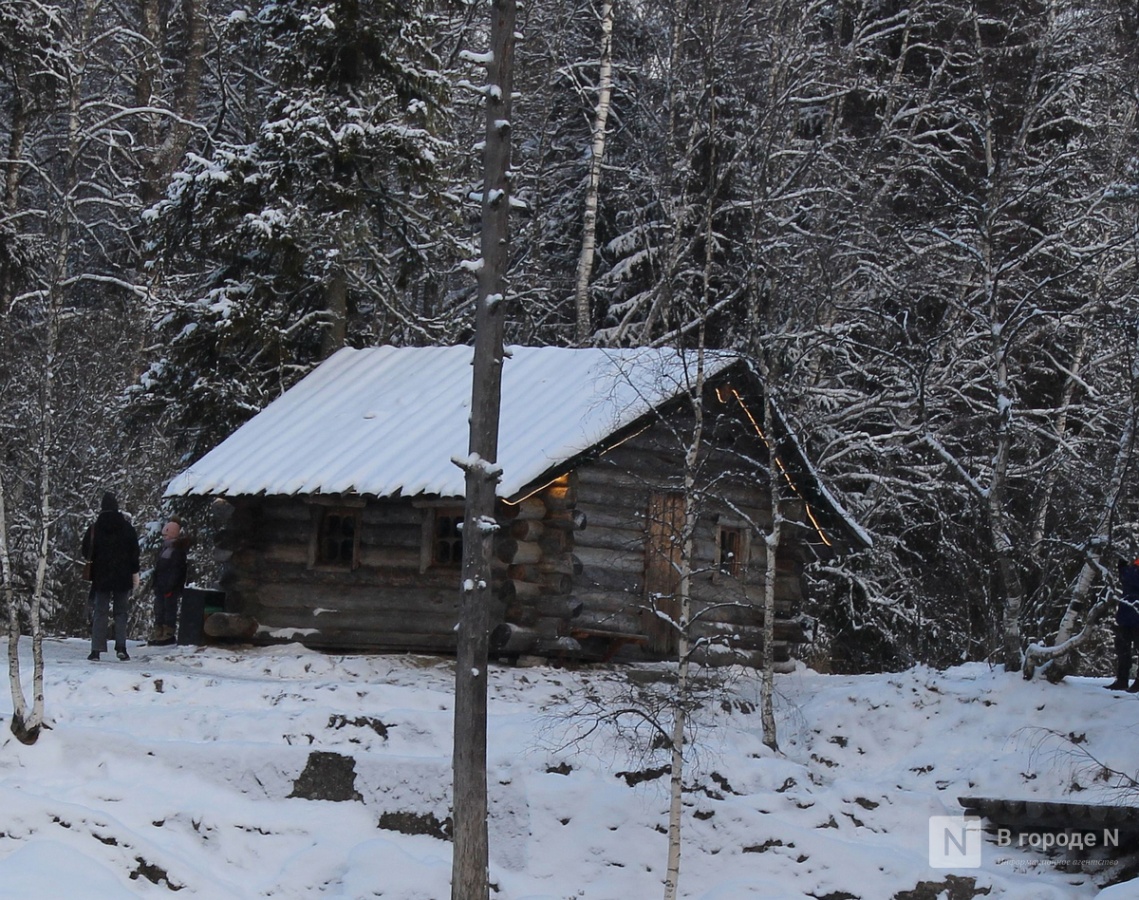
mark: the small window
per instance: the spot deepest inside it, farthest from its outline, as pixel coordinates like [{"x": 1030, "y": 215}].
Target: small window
[
  {"x": 732, "y": 550},
  {"x": 447, "y": 539},
  {"x": 336, "y": 540}
]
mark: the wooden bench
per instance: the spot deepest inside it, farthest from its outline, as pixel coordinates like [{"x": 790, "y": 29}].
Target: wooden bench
[{"x": 611, "y": 641}]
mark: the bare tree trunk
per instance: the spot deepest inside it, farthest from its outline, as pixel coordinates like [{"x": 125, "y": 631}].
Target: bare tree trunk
[
  {"x": 1043, "y": 506},
  {"x": 164, "y": 155},
  {"x": 336, "y": 304},
  {"x": 1067, "y": 639},
  {"x": 1012, "y": 588},
  {"x": 24, "y": 726},
  {"x": 771, "y": 543},
  {"x": 19, "y": 119},
  {"x": 597, "y": 156},
  {"x": 471, "y": 859},
  {"x": 19, "y": 705},
  {"x": 19, "y": 125},
  {"x": 676, "y": 762},
  {"x": 27, "y": 728},
  {"x": 683, "y": 649},
  {"x": 663, "y": 299}
]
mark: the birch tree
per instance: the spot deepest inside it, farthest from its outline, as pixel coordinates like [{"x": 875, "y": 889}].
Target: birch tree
[
  {"x": 71, "y": 294},
  {"x": 677, "y": 742},
  {"x": 584, "y": 329}
]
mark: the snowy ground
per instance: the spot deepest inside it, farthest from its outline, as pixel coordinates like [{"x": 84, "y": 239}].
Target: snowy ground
[{"x": 172, "y": 772}]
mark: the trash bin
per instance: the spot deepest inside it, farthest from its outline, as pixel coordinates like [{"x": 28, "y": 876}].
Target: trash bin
[{"x": 192, "y": 616}]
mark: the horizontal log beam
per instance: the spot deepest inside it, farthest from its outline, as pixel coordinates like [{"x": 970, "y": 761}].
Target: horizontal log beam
[
  {"x": 530, "y": 508},
  {"x": 530, "y": 612},
  {"x": 527, "y": 529},
  {"x": 230, "y": 626},
  {"x": 512, "y": 590},
  {"x": 617, "y": 560},
  {"x": 628, "y": 540}
]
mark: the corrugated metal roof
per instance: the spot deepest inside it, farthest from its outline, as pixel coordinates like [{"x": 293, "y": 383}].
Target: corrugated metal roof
[{"x": 389, "y": 420}]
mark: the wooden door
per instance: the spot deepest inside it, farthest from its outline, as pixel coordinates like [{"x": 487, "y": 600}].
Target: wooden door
[{"x": 664, "y": 533}]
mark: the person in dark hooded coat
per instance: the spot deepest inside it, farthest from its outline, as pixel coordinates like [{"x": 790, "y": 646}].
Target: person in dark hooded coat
[
  {"x": 111, "y": 544},
  {"x": 1126, "y": 627}
]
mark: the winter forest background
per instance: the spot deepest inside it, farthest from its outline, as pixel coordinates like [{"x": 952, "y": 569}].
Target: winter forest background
[{"x": 920, "y": 216}]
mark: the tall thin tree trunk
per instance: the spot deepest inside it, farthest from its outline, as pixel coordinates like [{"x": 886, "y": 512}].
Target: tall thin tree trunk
[
  {"x": 15, "y": 149},
  {"x": 771, "y": 543},
  {"x": 592, "y": 190},
  {"x": 1012, "y": 586},
  {"x": 683, "y": 624},
  {"x": 19, "y": 704},
  {"x": 335, "y": 334},
  {"x": 471, "y": 859},
  {"x": 662, "y": 302},
  {"x": 1048, "y": 486},
  {"x": 1000, "y": 537},
  {"x": 164, "y": 154},
  {"x": 19, "y": 123},
  {"x": 1067, "y": 638},
  {"x": 27, "y": 727}
]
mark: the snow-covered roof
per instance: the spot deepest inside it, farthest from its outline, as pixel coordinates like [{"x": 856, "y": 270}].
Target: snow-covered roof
[{"x": 388, "y": 420}]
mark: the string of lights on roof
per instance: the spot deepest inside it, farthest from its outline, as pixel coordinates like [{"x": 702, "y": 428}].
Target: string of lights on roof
[{"x": 778, "y": 462}]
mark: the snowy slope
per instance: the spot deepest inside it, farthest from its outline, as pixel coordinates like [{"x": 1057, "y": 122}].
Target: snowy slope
[{"x": 174, "y": 770}]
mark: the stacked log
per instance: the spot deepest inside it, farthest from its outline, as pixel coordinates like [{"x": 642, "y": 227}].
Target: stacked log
[{"x": 535, "y": 578}]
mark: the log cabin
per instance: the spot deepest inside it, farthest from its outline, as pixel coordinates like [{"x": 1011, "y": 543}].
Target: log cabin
[{"x": 340, "y": 506}]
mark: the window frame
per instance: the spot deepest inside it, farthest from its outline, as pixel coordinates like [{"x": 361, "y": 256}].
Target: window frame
[
  {"x": 736, "y": 566},
  {"x": 428, "y": 555},
  {"x": 322, "y": 514}
]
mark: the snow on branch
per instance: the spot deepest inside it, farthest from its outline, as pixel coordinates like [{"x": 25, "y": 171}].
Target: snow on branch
[
  {"x": 489, "y": 91},
  {"x": 472, "y": 463},
  {"x": 479, "y": 59},
  {"x": 1127, "y": 190},
  {"x": 949, "y": 458},
  {"x": 486, "y": 525}
]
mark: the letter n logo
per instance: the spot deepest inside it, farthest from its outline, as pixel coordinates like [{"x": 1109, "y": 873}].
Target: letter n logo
[{"x": 955, "y": 842}]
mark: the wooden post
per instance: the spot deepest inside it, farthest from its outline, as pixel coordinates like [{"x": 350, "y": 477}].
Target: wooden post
[{"x": 470, "y": 862}]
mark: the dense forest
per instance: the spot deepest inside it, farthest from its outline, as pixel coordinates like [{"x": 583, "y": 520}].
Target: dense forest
[{"x": 921, "y": 218}]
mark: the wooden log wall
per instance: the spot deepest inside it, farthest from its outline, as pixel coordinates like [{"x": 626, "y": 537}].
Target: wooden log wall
[
  {"x": 385, "y": 603},
  {"x": 613, "y": 495},
  {"x": 391, "y": 600}
]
